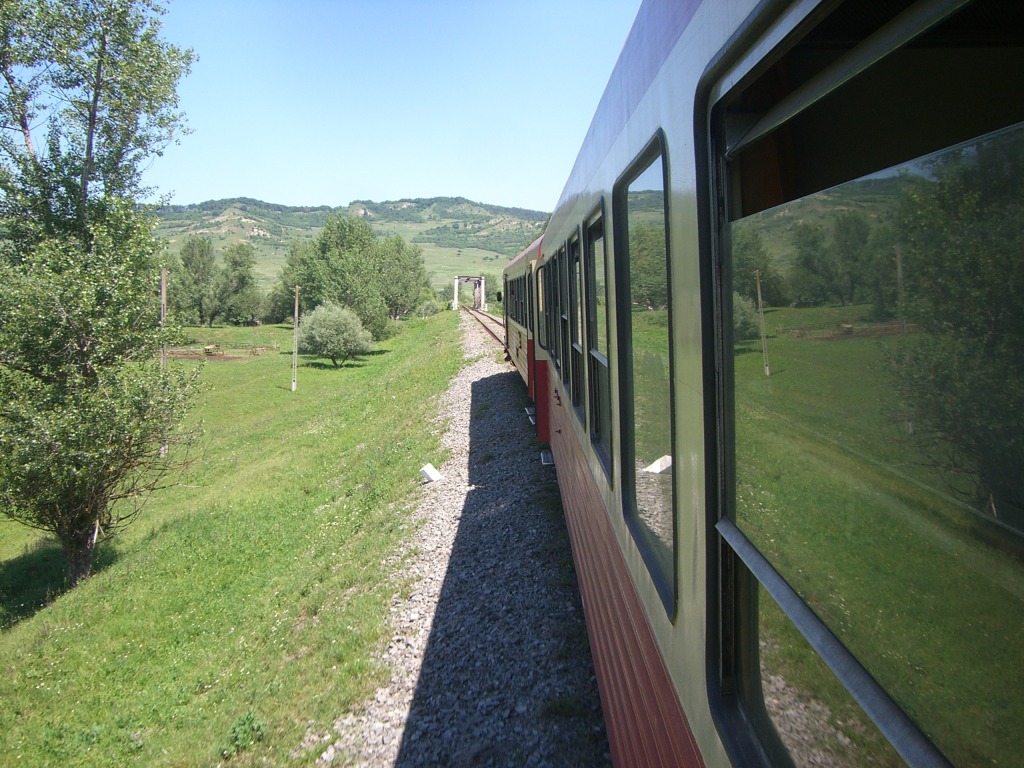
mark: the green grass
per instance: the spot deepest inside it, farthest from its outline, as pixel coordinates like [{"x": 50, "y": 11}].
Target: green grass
[
  {"x": 244, "y": 606},
  {"x": 928, "y": 596}
]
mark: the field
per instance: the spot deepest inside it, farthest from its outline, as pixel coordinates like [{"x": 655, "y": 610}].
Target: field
[
  {"x": 926, "y": 593},
  {"x": 243, "y": 607}
]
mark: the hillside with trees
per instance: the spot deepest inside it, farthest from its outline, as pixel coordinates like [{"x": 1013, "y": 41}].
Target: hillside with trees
[{"x": 456, "y": 235}]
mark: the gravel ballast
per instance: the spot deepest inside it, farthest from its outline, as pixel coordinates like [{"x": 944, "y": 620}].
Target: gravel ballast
[{"x": 489, "y": 659}]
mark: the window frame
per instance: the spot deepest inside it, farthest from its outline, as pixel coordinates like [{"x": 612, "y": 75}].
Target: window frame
[
  {"x": 598, "y": 386},
  {"x": 666, "y": 584},
  {"x": 574, "y": 272},
  {"x": 736, "y": 568}
]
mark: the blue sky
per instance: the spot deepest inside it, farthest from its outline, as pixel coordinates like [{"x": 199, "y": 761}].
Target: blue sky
[{"x": 321, "y": 102}]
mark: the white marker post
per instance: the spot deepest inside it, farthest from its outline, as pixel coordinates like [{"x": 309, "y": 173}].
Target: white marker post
[{"x": 295, "y": 343}]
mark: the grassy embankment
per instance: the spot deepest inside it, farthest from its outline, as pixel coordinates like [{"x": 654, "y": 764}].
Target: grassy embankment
[{"x": 247, "y": 601}]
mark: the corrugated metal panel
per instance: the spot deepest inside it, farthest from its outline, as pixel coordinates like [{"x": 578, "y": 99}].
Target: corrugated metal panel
[{"x": 645, "y": 721}]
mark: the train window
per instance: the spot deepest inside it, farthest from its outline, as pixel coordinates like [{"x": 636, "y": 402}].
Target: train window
[
  {"x": 556, "y": 311},
  {"x": 576, "y": 324},
  {"x": 540, "y": 277},
  {"x": 521, "y": 297},
  {"x": 564, "y": 316},
  {"x": 599, "y": 378},
  {"x": 643, "y": 294},
  {"x": 872, "y": 349},
  {"x": 528, "y": 290}
]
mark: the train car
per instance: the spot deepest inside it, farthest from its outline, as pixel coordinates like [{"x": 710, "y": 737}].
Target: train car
[
  {"x": 521, "y": 309},
  {"x": 778, "y": 312}
]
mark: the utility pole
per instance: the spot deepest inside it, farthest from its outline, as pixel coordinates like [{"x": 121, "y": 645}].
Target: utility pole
[
  {"x": 295, "y": 343},
  {"x": 163, "y": 345},
  {"x": 907, "y": 421},
  {"x": 764, "y": 334}
]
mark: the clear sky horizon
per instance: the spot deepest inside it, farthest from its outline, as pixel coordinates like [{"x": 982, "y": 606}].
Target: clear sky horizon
[{"x": 322, "y": 102}]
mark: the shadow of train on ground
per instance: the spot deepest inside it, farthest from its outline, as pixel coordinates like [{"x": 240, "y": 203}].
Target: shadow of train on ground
[{"x": 507, "y": 677}]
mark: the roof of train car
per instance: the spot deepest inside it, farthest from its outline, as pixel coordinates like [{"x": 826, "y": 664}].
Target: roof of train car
[
  {"x": 658, "y": 25},
  {"x": 524, "y": 254}
]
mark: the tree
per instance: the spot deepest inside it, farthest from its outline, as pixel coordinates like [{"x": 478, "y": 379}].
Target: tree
[
  {"x": 749, "y": 256},
  {"x": 813, "y": 275},
  {"x": 195, "y": 291},
  {"x": 850, "y": 235},
  {"x": 348, "y": 264},
  {"x": 84, "y": 408},
  {"x": 402, "y": 275},
  {"x": 238, "y": 293},
  {"x": 648, "y": 267},
  {"x": 334, "y": 332},
  {"x": 105, "y": 84},
  {"x": 961, "y": 374}
]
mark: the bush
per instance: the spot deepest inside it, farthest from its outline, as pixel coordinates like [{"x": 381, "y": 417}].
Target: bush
[
  {"x": 334, "y": 332},
  {"x": 744, "y": 317},
  {"x": 429, "y": 307}
]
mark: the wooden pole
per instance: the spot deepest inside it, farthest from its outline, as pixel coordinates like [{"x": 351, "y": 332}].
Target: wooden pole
[
  {"x": 764, "y": 334},
  {"x": 295, "y": 343},
  {"x": 163, "y": 345}
]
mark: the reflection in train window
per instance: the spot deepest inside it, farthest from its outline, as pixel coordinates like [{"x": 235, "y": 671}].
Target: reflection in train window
[
  {"x": 542, "y": 299},
  {"x": 575, "y": 281},
  {"x": 646, "y": 405},
  {"x": 595, "y": 275},
  {"x": 564, "y": 326},
  {"x": 554, "y": 289},
  {"x": 874, "y": 196},
  {"x": 879, "y": 467}
]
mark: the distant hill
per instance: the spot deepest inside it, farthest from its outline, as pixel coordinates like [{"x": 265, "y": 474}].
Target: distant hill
[{"x": 458, "y": 236}]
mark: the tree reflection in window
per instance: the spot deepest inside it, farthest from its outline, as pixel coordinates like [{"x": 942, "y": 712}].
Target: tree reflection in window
[{"x": 880, "y": 469}]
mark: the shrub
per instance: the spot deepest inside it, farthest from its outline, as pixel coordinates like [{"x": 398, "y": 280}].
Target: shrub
[
  {"x": 334, "y": 332},
  {"x": 744, "y": 317}
]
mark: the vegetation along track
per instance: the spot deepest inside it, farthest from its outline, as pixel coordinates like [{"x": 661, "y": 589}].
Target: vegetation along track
[{"x": 490, "y": 323}]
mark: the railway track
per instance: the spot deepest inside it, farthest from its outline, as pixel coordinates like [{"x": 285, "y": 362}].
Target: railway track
[{"x": 491, "y": 324}]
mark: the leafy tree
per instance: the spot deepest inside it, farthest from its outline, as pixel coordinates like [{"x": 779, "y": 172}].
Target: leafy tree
[
  {"x": 648, "y": 266},
  {"x": 812, "y": 275},
  {"x": 238, "y": 293},
  {"x": 348, "y": 264},
  {"x": 832, "y": 269},
  {"x": 881, "y": 279},
  {"x": 962, "y": 373},
  {"x": 402, "y": 275},
  {"x": 195, "y": 290},
  {"x": 84, "y": 408},
  {"x": 749, "y": 256},
  {"x": 105, "y": 84},
  {"x": 850, "y": 253},
  {"x": 334, "y": 332}
]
